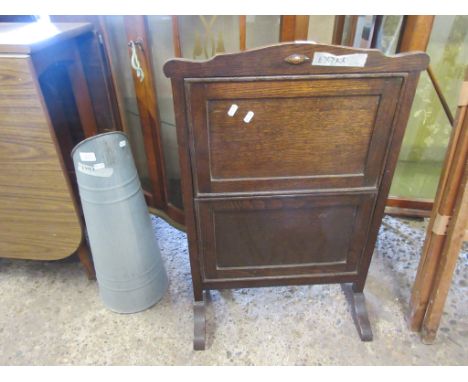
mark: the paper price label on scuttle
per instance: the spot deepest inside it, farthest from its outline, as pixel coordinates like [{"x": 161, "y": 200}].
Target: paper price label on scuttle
[{"x": 97, "y": 170}]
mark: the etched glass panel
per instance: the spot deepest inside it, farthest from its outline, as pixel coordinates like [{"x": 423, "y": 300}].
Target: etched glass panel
[
  {"x": 321, "y": 29},
  {"x": 204, "y": 36},
  {"x": 262, "y": 30},
  {"x": 428, "y": 132},
  {"x": 161, "y": 43},
  {"x": 388, "y": 34},
  {"x": 118, "y": 51}
]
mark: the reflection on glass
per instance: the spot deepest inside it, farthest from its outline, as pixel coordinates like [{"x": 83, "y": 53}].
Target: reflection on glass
[
  {"x": 364, "y": 31},
  {"x": 161, "y": 42},
  {"x": 428, "y": 130},
  {"x": 201, "y": 37},
  {"x": 321, "y": 29},
  {"x": 346, "y": 30},
  {"x": 388, "y": 34},
  {"x": 118, "y": 51},
  {"x": 262, "y": 30},
  {"x": 204, "y": 36}
]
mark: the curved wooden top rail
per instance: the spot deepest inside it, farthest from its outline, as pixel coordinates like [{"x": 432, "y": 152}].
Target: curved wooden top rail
[{"x": 293, "y": 59}]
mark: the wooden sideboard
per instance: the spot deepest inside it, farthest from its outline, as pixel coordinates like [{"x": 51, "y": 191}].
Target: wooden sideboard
[
  {"x": 45, "y": 108},
  {"x": 287, "y": 154}
]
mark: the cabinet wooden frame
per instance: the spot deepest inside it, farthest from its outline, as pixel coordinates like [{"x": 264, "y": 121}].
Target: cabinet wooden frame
[
  {"x": 137, "y": 32},
  {"x": 294, "y": 27},
  {"x": 257, "y": 74}
]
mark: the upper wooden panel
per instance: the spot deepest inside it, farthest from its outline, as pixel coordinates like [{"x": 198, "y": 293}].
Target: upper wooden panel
[
  {"x": 279, "y": 60},
  {"x": 25, "y": 38},
  {"x": 38, "y": 219},
  {"x": 306, "y": 134}
]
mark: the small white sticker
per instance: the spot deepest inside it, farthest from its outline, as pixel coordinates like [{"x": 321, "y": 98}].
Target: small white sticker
[
  {"x": 328, "y": 59},
  {"x": 123, "y": 143},
  {"x": 90, "y": 170},
  {"x": 248, "y": 117},
  {"x": 98, "y": 166},
  {"x": 88, "y": 157},
  {"x": 232, "y": 110}
]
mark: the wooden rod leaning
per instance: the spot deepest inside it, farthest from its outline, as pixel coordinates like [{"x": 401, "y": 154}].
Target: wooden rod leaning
[{"x": 442, "y": 99}]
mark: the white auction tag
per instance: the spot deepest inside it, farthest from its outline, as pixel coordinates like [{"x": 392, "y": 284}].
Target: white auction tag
[
  {"x": 329, "y": 59},
  {"x": 232, "y": 110},
  {"x": 100, "y": 171},
  {"x": 88, "y": 157},
  {"x": 248, "y": 117}
]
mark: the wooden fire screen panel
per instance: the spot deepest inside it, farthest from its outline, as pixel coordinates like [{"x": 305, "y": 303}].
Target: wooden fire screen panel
[{"x": 287, "y": 155}]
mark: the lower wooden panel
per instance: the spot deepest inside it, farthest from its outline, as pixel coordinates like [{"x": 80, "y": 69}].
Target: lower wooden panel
[{"x": 283, "y": 235}]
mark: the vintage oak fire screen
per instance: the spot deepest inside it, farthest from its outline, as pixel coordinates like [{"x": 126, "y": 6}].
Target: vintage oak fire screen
[{"x": 287, "y": 154}]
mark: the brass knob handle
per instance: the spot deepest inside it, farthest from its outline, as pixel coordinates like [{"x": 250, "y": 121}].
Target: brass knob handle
[{"x": 296, "y": 59}]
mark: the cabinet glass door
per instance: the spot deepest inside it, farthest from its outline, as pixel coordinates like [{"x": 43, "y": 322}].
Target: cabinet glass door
[
  {"x": 200, "y": 37},
  {"x": 118, "y": 51},
  {"x": 387, "y": 33},
  {"x": 321, "y": 29},
  {"x": 428, "y": 132},
  {"x": 262, "y": 30},
  {"x": 160, "y": 35},
  {"x": 195, "y": 37}
]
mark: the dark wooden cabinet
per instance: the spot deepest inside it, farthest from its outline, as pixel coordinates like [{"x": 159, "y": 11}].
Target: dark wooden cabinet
[{"x": 287, "y": 154}]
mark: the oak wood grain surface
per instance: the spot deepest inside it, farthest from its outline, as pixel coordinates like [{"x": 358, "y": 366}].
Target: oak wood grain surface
[
  {"x": 286, "y": 145},
  {"x": 283, "y": 234},
  {"x": 295, "y": 193}
]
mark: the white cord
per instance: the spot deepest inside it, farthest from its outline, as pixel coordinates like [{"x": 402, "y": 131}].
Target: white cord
[{"x": 136, "y": 63}]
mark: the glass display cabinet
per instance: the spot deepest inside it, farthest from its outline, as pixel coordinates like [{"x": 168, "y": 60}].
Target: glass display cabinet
[
  {"x": 425, "y": 143},
  {"x": 146, "y": 105},
  {"x": 146, "y": 109}
]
